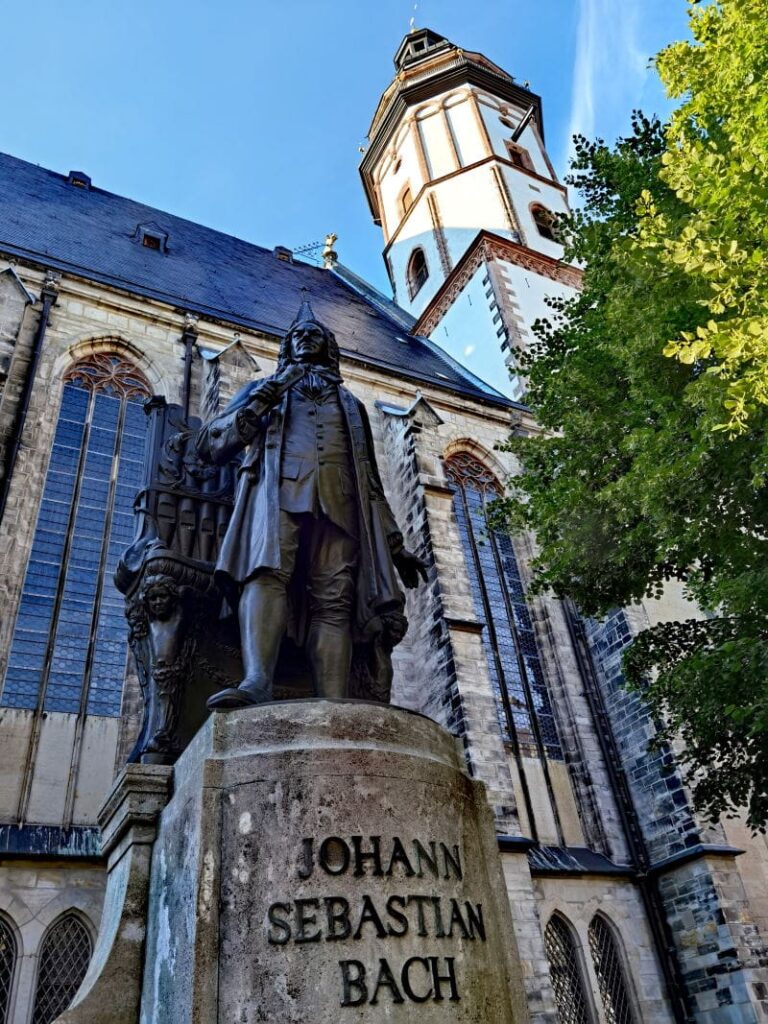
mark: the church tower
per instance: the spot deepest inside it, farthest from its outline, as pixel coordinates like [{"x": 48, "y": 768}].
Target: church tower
[{"x": 458, "y": 177}]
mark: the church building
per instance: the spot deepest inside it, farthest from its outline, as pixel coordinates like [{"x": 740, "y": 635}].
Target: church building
[{"x": 627, "y": 907}]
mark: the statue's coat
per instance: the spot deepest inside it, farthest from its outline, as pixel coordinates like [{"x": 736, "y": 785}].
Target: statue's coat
[{"x": 252, "y": 541}]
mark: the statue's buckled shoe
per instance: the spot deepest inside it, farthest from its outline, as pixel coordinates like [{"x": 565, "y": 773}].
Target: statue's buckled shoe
[{"x": 238, "y": 697}]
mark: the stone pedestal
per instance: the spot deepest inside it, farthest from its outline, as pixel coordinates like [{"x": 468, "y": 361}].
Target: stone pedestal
[
  {"x": 111, "y": 990},
  {"x": 327, "y": 861}
]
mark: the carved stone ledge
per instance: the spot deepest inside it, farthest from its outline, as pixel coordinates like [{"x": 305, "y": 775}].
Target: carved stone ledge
[{"x": 111, "y": 990}]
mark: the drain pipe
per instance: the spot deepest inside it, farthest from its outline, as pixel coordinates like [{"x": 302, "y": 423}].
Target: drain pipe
[
  {"x": 49, "y": 295},
  {"x": 188, "y": 339},
  {"x": 649, "y": 892}
]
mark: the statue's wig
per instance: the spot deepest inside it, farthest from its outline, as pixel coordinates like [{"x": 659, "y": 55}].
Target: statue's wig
[{"x": 332, "y": 354}]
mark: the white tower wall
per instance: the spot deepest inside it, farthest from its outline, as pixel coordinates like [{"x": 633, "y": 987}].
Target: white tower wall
[{"x": 449, "y": 178}]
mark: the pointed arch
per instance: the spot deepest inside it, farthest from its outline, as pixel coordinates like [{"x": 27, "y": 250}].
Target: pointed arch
[
  {"x": 609, "y": 962},
  {"x": 9, "y": 956},
  {"x": 94, "y": 346},
  {"x": 523, "y": 706},
  {"x": 69, "y": 646},
  {"x": 417, "y": 271},
  {"x": 65, "y": 954},
  {"x": 566, "y": 969}
]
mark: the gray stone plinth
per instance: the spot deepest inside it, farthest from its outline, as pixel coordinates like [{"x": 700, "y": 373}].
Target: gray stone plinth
[
  {"x": 327, "y": 861},
  {"x": 111, "y": 989}
]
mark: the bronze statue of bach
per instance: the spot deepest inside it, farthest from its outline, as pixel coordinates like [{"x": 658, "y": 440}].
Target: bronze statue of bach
[{"x": 312, "y": 547}]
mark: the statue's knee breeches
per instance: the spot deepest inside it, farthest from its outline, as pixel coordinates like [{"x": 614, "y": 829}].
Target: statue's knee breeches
[{"x": 331, "y": 597}]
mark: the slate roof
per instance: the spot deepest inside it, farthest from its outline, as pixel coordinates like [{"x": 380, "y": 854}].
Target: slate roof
[{"x": 93, "y": 233}]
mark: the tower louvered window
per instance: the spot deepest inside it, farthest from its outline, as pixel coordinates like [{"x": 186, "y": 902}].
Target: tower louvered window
[
  {"x": 8, "y": 954},
  {"x": 500, "y": 602},
  {"x": 64, "y": 959},
  {"x": 69, "y": 644},
  {"x": 566, "y": 974},
  {"x": 610, "y": 973}
]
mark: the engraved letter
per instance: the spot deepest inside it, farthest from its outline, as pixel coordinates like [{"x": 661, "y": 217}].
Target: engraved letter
[
  {"x": 456, "y": 918},
  {"x": 451, "y": 861},
  {"x": 361, "y": 857},
  {"x": 420, "y": 901},
  {"x": 405, "y": 979},
  {"x": 386, "y": 979},
  {"x": 337, "y": 917},
  {"x": 430, "y": 859},
  {"x": 353, "y": 988},
  {"x": 283, "y": 935},
  {"x": 399, "y": 856},
  {"x": 439, "y": 929},
  {"x": 450, "y": 977},
  {"x": 304, "y": 920},
  {"x": 475, "y": 916},
  {"x": 398, "y": 915},
  {"x": 369, "y": 913},
  {"x": 307, "y": 858},
  {"x": 330, "y": 863}
]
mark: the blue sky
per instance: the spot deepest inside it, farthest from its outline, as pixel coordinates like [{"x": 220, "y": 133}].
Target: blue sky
[{"x": 247, "y": 115}]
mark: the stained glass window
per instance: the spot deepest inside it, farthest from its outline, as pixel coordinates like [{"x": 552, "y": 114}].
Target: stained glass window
[
  {"x": 566, "y": 973},
  {"x": 69, "y": 644},
  {"x": 7, "y": 968},
  {"x": 610, "y": 973},
  {"x": 500, "y": 602},
  {"x": 64, "y": 959}
]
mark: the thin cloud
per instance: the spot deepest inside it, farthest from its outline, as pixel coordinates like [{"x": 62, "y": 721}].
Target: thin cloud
[{"x": 610, "y": 69}]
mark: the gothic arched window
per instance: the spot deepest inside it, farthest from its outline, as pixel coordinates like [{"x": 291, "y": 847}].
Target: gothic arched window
[
  {"x": 544, "y": 220},
  {"x": 499, "y": 598},
  {"x": 64, "y": 958},
  {"x": 8, "y": 954},
  {"x": 566, "y": 973},
  {"x": 69, "y": 644},
  {"x": 417, "y": 272},
  {"x": 610, "y": 973}
]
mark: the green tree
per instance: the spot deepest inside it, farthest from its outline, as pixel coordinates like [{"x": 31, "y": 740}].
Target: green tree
[
  {"x": 628, "y": 486},
  {"x": 716, "y": 161}
]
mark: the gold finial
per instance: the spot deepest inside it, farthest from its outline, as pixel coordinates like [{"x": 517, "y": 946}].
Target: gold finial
[{"x": 330, "y": 256}]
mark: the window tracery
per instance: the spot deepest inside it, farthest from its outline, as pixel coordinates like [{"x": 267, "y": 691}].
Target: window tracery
[
  {"x": 566, "y": 973},
  {"x": 69, "y": 645},
  {"x": 8, "y": 955},
  {"x": 500, "y": 602},
  {"x": 610, "y": 973},
  {"x": 64, "y": 958}
]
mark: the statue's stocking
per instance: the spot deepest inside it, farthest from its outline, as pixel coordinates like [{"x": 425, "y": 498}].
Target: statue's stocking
[
  {"x": 330, "y": 654},
  {"x": 263, "y": 616}
]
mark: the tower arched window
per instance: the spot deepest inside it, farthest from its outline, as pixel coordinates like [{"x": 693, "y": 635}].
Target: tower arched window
[
  {"x": 609, "y": 969},
  {"x": 8, "y": 955},
  {"x": 69, "y": 645},
  {"x": 500, "y": 602},
  {"x": 64, "y": 958},
  {"x": 406, "y": 200},
  {"x": 417, "y": 272},
  {"x": 519, "y": 156},
  {"x": 544, "y": 220},
  {"x": 566, "y": 972}
]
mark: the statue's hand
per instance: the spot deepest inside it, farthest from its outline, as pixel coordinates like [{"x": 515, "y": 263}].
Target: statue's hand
[
  {"x": 267, "y": 393},
  {"x": 271, "y": 390},
  {"x": 410, "y": 568}
]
